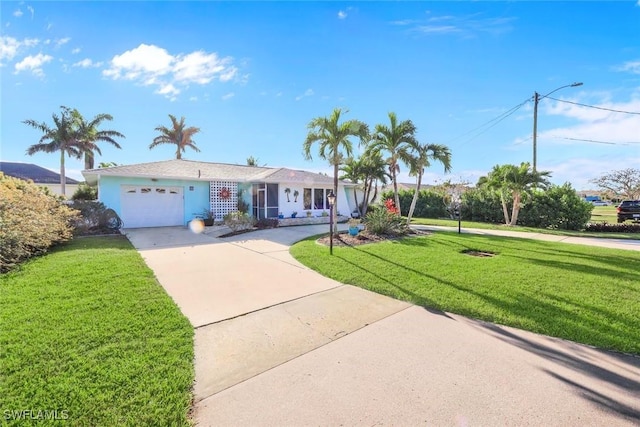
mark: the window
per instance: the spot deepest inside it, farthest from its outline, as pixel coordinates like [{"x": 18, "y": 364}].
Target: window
[
  {"x": 307, "y": 198},
  {"x": 318, "y": 198}
]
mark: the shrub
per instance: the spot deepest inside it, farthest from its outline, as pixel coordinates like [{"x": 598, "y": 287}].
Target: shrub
[
  {"x": 266, "y": 223},
  {"x": 237, "y": 221},
  {"x": 430, "y": 203},
  {"x": 85, "y": 192},
  {"x": 31, "y": 221},
  {"x": 386, "y": 221},
  {"x": 95, "y": 218},
  {"x": 613, "y": 228}
]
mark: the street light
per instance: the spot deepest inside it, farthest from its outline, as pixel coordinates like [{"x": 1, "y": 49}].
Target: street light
[
  {"x": 536, "y": 99},
  {"x": 332, "y": 201}
]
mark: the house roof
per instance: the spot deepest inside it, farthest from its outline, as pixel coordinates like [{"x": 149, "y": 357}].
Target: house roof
[
  {"x": 206, "y": 171},
  {"x": 37, "y": 174}
]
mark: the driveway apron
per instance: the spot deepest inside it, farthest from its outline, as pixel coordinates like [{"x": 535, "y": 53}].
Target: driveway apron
[{"x": 276, "y": 344}]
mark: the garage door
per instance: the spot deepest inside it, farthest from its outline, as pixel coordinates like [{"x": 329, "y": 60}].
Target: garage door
[{"x": 143, "y": 206}]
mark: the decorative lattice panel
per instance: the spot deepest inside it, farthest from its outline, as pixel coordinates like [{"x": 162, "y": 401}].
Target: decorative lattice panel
[{"x": 220, "y": 204}]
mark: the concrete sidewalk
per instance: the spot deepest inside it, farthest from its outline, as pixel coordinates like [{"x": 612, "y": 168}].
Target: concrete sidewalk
[
  {"x": 633, "y": 245},
  {"x": 278, "y": 344}
]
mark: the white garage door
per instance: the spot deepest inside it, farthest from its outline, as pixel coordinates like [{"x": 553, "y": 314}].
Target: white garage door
[{"x": 143, "y": 206}]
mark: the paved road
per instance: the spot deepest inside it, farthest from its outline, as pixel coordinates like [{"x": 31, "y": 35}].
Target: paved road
[{"x": 277, "y": 344}]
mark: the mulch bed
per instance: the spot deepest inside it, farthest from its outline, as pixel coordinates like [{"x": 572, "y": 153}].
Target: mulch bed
[{"x": 364, "y": 237}]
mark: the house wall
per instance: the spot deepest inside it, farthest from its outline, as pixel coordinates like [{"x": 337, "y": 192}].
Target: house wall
[
  {"x": 57, "y": 189},
  {"x": 196, "y": 193},
  {"x": 288, "y": 207}
]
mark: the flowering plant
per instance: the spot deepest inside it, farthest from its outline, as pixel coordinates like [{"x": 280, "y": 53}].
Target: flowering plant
[{"x": 391, "y": 207}]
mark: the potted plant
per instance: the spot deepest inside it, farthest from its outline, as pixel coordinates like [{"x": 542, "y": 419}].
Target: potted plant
[
  {"x": 308, "y": 214},
  {"x": 325, "y": 213},
  {"x": 293, "y": 215},
  {"x": 354, "y": 226},
  {"x": 280, "y": 215},
  {"x": 208, "y": 217}
]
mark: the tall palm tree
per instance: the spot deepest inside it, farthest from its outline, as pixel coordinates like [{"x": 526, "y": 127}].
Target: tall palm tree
[
  {"x": 398, "y": 140},
  {"x": 333, "y": 139},
  {"x": 59, "y": 137},
  {"x": 88, "y": 135},
  {"x": 425, "y": 153},
  {"x": 374, "y": 171},
  {"x": 178, "y": 135},
  {"x": 514, "y": 181}
]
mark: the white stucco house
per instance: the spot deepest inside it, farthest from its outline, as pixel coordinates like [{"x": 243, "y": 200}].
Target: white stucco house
[{"x": 173, "y": 192}]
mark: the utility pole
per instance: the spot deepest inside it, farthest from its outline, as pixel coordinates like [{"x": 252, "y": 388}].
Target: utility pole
[{"x": 536, "y": 98}]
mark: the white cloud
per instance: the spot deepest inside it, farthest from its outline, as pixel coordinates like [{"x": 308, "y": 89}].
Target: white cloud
[
  {"x": 342, "y": 14},
  {"x": 8, "y": 47},
  {"x": 307, "y": 93},
  {"x": 596, "y": 124},
  {"x": 87, "y": 63},
  {"x": 17, "y": 13},
  {"x": 31, "y": 11},
  {"x": 579, "y": 171},
  {"x": 33, "y": 63},
  {"x": 75, "y": 51},
  {"x": 630, "y": 66},
  {"x": 464, "y": 25},
  {"x": 228, "y": 96},
  {"x": 153, "y": 65},
  {"x": 193, "y": 98},
  {"x": 63, "y": 41}
]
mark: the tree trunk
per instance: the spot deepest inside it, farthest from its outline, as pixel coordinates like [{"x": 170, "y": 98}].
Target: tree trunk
[
  {"x": 365, "y": 196},
  {"x": 415, "y": 198},
  {"x": 355, "y": 196},
  {"x": 63, "y": 178},
  {"x": 505, "y": 211},
  {"x": 88, "y": 160},
  {"x": 335, "y": 193},
  {"x": 395, "y": 189},
  {"x": 516, "y": 208}
]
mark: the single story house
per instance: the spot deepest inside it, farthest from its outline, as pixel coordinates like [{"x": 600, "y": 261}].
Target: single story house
[
  {"x": 173, "y": 192},
  {"x": 40, "y": 176}
]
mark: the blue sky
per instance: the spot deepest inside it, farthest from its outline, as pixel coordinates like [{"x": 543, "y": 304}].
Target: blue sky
[{"x": 251, "y": 75}]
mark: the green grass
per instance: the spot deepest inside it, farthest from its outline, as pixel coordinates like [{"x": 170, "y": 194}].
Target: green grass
[
  {"x": 488, "y": 226},
  {"x": 584, "y": 294},
  {"x": 604, "y": 214},
  {"x": 88, "y": 330}
]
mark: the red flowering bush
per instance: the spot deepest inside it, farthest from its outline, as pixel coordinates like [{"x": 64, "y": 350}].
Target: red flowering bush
[{"x": 386, "y": 222}]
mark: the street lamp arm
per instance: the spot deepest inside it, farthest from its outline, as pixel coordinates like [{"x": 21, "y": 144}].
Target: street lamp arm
[{"x": 561, "y": 87}]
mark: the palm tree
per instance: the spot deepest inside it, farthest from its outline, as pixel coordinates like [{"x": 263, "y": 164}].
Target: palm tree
[
  {"x": 424, "y": 154},
  {"x": 178, "y": 135},
  {"x": 333, "y": 138},
  {"x": 59, "y": 137},
  {"x": 88, "y": 135},
  {"x": 374, "y": 171},
  {"x": 515, "y": 181},
  {"x": 352, "y": 170},
  {"x": 252, "y": 161},
  {"x": 398, "y": 140}
]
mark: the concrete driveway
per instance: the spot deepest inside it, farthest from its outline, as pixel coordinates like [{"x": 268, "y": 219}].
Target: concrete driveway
[{"x": 277, "y": 344}]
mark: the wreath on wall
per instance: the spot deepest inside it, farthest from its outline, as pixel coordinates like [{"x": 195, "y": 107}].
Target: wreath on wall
[{"x": 224, "y": 193}]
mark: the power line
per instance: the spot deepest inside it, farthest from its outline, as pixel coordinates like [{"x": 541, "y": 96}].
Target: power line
[
  {"x": 497, "y": 120},
  {"x": 596, "y": 142},
  {"x": 593, "y": 106}
]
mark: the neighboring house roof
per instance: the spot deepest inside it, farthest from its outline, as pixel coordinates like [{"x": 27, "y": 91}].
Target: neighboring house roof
[
  {"x": 206, "y": 171},
  {"x": 37, "y": 174}
]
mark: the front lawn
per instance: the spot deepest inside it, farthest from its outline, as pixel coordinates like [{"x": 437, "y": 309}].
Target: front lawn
[
  {"x": 585, "y": 294},
  {"x": 489, "y": 226},
  {"x": 88, "y": 332}
]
